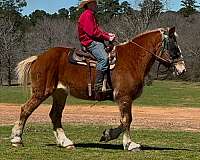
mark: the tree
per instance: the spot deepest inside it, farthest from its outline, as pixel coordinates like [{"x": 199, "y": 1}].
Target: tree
[
  {"x": 12, "y": 8},
  {"x": 9, "y": 44},
  {"x": 107, "y": 9},
  {"x": 150, "y": 9},
  {"x": 63, "y": 12},
  {"x": 37, "y": 15},
  {"x": 10, "y": 5},
  {"x": 125, "y": 8},
  {"x": 50, "y": 32},
  {"x": 189, "y": 7},
  {"x": 74, "y": 13},
  {"x": 11, "y": 24}
]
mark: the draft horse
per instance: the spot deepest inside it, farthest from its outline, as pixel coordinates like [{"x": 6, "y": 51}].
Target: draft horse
[{"x": 51, "y": 74}]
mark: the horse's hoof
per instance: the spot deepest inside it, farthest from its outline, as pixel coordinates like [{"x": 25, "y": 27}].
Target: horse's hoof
[
  {"x": 135, "y": 150},
  {"x": 17, "y": 142},
  {"x": 133, "y": 147},
  {"x": 103, "y": 139},
  {"x": 106, "y": 136},
  {"x": 17, "y": 145},
  {"x": 71, "y": 147}
]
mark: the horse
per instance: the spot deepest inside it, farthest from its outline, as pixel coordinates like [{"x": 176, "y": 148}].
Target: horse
[{"x": 51, "y": 74}]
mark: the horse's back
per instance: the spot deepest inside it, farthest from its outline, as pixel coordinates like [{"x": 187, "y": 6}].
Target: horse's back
[
  {"x": 51, "y": 56},
  {"x": 55, "y": 52}
]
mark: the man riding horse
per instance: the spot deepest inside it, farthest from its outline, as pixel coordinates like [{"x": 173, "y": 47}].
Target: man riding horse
[
  {"x": 92, "y": 38},
  {"x": 52, "y": 74}
]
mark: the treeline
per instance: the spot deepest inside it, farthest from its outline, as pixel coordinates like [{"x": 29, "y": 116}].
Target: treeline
[{"x": 23, "y": 36}]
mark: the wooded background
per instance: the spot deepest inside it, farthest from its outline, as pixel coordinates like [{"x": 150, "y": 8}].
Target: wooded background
[{"x": 23, "y": 36}]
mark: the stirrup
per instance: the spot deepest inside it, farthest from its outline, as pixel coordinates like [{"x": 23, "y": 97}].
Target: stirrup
[
  {"x": 104, "y": 95},
  {"x": 101, "y": 96},
  {"x": 99, "y": 88},
  {"x": 107, "y": 90}
]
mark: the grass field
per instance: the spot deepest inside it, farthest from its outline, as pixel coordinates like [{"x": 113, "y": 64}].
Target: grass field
[
  {"x": 158, "y": 145},
  {"x": 161, "y": 93}
]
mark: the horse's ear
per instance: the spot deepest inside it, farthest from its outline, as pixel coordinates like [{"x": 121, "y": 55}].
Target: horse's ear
[{"x": 171, "y": 31}]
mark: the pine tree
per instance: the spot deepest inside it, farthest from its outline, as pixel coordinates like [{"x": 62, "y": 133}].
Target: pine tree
[{"x": 189, "y": 7}]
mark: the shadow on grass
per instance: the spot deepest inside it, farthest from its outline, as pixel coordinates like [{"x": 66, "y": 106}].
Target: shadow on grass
[
  {"x": 145, "y": 147},
  {"x": 120, "y": 147}
]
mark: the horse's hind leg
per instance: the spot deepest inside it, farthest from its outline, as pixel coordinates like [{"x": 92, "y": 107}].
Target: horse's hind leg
[
  {"x": 59, "y": 98},
  {"x": 26, "y": 110}
]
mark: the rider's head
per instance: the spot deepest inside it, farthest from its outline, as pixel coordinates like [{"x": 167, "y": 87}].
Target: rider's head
[{"x": 88, "y": 4}]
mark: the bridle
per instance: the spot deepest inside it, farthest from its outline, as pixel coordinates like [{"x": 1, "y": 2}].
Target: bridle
[{"x": 162, "y": 48}]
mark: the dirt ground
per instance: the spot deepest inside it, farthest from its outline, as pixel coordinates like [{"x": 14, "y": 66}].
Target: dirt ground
[{"x": 173, "y": 118}]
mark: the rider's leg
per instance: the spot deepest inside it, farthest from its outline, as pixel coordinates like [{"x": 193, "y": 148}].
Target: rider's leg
[{"x": 98, "y": 50}]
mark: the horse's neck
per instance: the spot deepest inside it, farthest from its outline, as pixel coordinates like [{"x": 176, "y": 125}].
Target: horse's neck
[{"x": 135, "y": 58}]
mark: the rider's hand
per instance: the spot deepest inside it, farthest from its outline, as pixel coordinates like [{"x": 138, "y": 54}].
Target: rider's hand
[
  {"x": 112, "y": 37},
  {"x": 111, "y": 34}
]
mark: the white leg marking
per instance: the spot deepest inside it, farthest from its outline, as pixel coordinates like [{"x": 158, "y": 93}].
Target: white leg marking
[
  {"x": 61, "y": 86},
  {"x": 115, "y": 93},
  {"x": 126, "y": 139},
  {"x": 16, "y": 134},
  {"x": 128, "y": 144},
  {"x": 62, "y": 140}
]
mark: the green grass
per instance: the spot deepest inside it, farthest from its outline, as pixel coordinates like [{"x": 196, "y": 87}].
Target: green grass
[
  {"x": 171, "y": 93},
  {"x": 161, "y": 93},
  {"x": 40, "y": 145}
]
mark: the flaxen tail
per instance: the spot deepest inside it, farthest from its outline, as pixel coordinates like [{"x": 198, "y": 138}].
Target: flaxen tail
[{"x": 23, "y": 70}]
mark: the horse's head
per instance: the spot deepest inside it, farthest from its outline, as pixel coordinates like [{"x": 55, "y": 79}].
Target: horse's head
[{"x": 170, "y": 51}]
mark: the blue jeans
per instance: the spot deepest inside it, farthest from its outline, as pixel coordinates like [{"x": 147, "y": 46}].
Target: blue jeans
[{"x": 98, "y": 51}]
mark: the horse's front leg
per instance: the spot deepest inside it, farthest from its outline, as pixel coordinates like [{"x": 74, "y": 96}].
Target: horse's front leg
[
  {"x": 59, "y": 98},
  {"x": 125, "y": 105}
]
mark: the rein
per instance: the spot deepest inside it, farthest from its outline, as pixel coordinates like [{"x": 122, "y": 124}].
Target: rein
[
  {"x": 161, "y": 48},
  {"x": 162, "y": 59},
  {"x": 158, "y": 57}
]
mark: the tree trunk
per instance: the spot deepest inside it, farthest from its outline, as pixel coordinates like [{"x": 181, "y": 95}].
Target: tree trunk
[
  {"x": 1, "y": 74},
  {"x": 9, "y": 72}
]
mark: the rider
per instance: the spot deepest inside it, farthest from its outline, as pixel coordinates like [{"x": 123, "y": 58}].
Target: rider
[{"x": 92, "y": 37}]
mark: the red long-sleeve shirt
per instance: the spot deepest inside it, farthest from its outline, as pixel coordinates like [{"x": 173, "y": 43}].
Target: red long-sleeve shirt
[{"x": 89, "y": 30}]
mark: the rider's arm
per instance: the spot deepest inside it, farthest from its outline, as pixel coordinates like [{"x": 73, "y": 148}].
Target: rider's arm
[{"x": 91, "y": 28}]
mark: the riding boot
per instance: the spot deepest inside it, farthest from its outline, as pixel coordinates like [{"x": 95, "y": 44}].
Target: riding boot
[
  {"x": 99, "y": 81},
  {"x": 108, "y": 79},
  {"x": 100, "y": 93}
]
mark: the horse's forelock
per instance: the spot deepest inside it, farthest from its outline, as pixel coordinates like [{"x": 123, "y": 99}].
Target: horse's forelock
[{"x": 167, "y": 29}]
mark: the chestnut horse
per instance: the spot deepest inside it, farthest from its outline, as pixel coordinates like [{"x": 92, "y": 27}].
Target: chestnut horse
[{"x": 51, "y": 74}]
